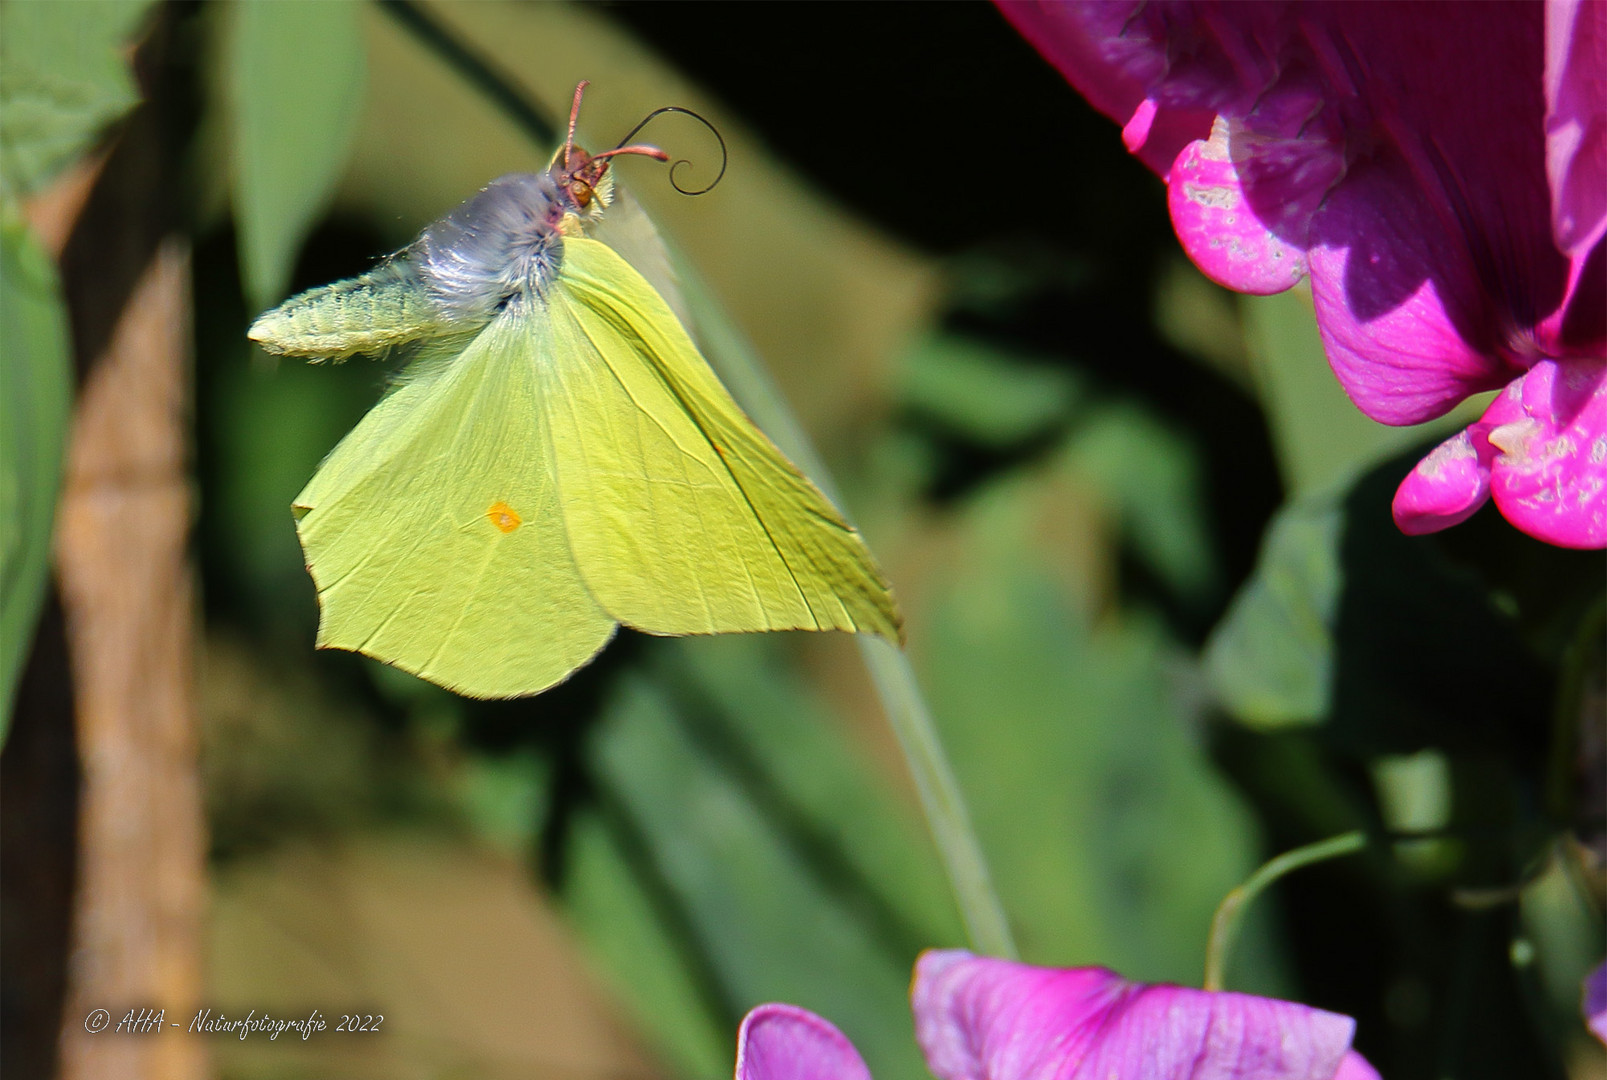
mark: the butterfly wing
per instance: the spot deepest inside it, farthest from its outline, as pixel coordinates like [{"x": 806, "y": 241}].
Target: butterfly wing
[
  {"x": 435, "y": 534},
  {"x": 631, "y": 234},
  {"x": 683, "y": 518}
]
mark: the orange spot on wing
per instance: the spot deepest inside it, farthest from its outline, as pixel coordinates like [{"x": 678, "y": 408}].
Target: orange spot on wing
[{"x": 503, "y": 516}]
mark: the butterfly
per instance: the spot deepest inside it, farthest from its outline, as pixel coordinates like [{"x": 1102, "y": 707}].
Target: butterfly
[{"x": 556, "y": 460}]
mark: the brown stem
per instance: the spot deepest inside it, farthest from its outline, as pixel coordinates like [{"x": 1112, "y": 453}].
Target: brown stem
[{"x": 128, "y": 605}]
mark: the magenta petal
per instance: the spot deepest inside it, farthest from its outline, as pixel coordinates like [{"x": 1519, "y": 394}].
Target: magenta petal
[
  {"x": 1576, "y": 122},
  {"x": 1446, "y": 487},
  {"x": 784, "y": 1042},
  {"x": 1550, "y": 475},
  {"x": 1407, "y": 334},
  {"x": 1355, "y": 1067},
  {"x": 1216, "y": 221},
  {"x": 1595, "y": 1002},
  {"x": 983, "y": 1019},
  {"x": 1348, "y": 138},
  {"x": 1243, "y": 199}
]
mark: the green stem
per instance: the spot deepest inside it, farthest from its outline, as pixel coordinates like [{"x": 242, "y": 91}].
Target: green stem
[
  {"x": 985, "y": 922},
  {"x": 1230, "y": 913},
  {"x": 944, "y": 807}
]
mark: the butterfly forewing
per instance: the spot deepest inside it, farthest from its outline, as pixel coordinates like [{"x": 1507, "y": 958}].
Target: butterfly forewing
[{"x": 435, "y": 535}]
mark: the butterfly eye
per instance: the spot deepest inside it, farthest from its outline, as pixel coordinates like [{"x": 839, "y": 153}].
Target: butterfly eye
[{"x": 581, "y": 192}]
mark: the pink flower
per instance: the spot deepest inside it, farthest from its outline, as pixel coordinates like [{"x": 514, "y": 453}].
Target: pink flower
[
  {"x": 982, "y": 1019},
  {"x": 1595, "y": 1002},
  {"x": 784, "y": 1042},
  {"x": 1438, "y": 172}
]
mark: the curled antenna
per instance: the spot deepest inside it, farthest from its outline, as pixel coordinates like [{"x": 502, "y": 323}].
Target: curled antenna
[{"x": 725, "y": 155}]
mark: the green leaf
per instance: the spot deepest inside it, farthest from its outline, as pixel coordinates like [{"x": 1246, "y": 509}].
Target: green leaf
[
  {"x": 745, "y": 856},
  {"x": 1348, "y": 623},
  {"x": 63, "y": 77},
  {"x": 1149, "y": 474},
  {"x": 991, "y": 396},
  {"x": 33, "y": 429},
  {"x": 297, "y": 72},
  {"x": 1128, "y": 838},
  {"x": 1270, "y": 659},
  {"x": 792, "y": 746},
  {"x": 627, "y": 938}
]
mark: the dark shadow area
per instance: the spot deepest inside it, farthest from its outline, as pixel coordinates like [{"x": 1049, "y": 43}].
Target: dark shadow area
[
  {"x": 39, "y": 785},
  {"x": 1447, "y": 643}
]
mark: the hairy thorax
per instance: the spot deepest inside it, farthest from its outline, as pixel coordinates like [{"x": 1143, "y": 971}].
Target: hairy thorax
[{"x": 503, "y": 243}]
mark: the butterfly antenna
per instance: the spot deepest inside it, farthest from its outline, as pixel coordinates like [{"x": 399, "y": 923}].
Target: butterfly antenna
[
  {"x": 574, "y": 113},
  {"x": 725, "y": 156}
]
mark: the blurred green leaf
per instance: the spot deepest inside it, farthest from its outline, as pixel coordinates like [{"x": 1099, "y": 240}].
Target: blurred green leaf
[
  {"x": 1350, "y": 623},
  {"x": 284, "y": 755},
  {"x": 1566, "y": 930},
  {"x": 628, "y": 940},
  {"x": 63, "y": 77},
  {"x": 1201, "y": 318},
  {"x": 1150, "y": 474},
  {"x": 1270, "y": 659},
  {"x": 298, "y": 71},
  {"x": 264, "y": 428},
  {"x": 774, "y": 867},
  {"x": 820, "y": 784},
  {"x": 993, "y": 397},
  {"x": 33, "y": 429},
  {"x": 1128, "y": 838}
]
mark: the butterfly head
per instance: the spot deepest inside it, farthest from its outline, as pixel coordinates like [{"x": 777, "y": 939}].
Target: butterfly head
[{"x": 583, "y": 179}]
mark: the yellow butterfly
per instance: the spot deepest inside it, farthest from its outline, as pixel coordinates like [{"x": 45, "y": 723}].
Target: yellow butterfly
[{"x": 557, "y": 460}]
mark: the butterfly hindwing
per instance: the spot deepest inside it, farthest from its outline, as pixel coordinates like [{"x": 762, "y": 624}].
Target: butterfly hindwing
[
  {"x": 682, "y": 516},
  {"x": 435, "y": 536}
]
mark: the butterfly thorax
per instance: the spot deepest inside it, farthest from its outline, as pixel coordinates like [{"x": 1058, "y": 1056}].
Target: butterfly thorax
[
  {"x": 507, "y": 241},
  {"x": 502, "y": 243}
]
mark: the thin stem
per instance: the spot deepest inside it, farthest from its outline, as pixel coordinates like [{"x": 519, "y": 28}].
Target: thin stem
[
  {"x": 986, "y": 926},
  {"x": 743, "y": 372},
  {"x": 1230, "y": 913}
]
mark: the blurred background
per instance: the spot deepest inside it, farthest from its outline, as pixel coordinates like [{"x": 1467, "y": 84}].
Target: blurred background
[{"x": 1142, "y": 541}]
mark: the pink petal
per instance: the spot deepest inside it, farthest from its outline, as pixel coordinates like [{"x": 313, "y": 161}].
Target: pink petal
[
  {"x": 1355, "y": 1067},
  {"x": 1595, "y": 1003},
  {"x": 983, "y": 1019},
  {"x": 1408, "y": 333},
  {"x": 1445, "y": 488},
  {"x": 1351, "y": 132},
  {"x": 1550, "y": 475},
  {"x": 1576, "y": 122},
  {"x": 784, "y": 1042},
  {"x": 1213, "y": 191}
]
